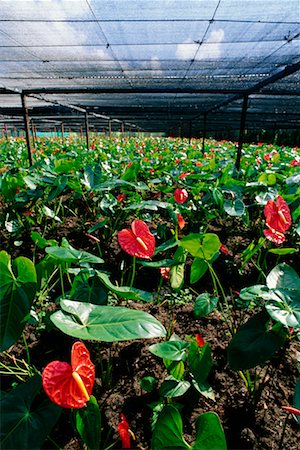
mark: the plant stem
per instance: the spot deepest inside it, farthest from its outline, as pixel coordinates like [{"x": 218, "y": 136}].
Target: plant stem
[
  {"x": 27, "y": 349},
  {"x": 133, "y": 271},
  {"x": 216, "y": 281},
  {"x": 61, "y": 281}
]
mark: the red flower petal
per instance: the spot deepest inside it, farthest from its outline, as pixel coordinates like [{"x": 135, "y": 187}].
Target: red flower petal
[
  {"x": 200, "y": 340},
  {"x": 181, "y": 221},
  {"x": 123, "y": 428},
  {"x": 278, "y": 215},
  {"x": 59, "y": 383},
  {"x": 180, "y": 195},
  {"x": 138, "y": 241},
  {"x": 291, "y": 410},
  {"x": 274, "y": 236}
]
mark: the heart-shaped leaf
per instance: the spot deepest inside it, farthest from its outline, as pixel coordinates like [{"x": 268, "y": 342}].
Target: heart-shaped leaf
[
  {"x": 168, "y": 429},
  {"x": 173, "y": 388},
  {"x": 172, "y": 350},
  {"x": 209, "y": 433},
  {"x": 105, "y": 323},
  {"x": 204, "y": 304},
  {"x": 17, "y": 290},
  {"x": 67, "y": 253},
  {"x": 26, "y": 421},
  {"x": 283, "y": 276},
  {"x": 253, "y": 344}
]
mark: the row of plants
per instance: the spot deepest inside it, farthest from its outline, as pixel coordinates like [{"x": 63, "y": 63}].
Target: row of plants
[{"x": 146, "y": 211}]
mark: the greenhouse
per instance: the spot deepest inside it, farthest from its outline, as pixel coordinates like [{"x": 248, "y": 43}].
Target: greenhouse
[{"x": 150, "y": 224}]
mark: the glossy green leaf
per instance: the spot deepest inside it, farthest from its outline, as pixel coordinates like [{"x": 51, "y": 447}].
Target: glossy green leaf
[
  {"x": 254, "y": 344},
  {"x": 67, "y": 253},
  {"x": 171, "y": 387},
  {"x": 296, "y": 400},
  {"x": 283, "y": 251},
  {"x": 200, "y": 361},
  {"x": 175, "y": 368},
  {"x": 50, "y": 213},
  {"x": 204, "y": 246},
  {"x": 284, "y": 307},
  {"x": 209, "y": 433},
  {"x": 40, "y": 241},
  {"x": 88, "y": 424},
  {"x": 127, "y": 292},
  {"x": 148, "y": 383},
  {"x": 167, "y": 433},
  {"x": 234, "y": 208},
  {"x": 88, "y": 288},
  {"x": 105, "y": 323},
  {"x": 158, "y": 264},
  {"x": 177, "y": 272},
  {"x": 204, "y": 389},
  {"x": 283, "y": 276},
  {"x": 172, "y": 350},
  {"x": 198, "y": 269},
  {"x": 18, "y": 283},
  {"x": 26, "y": 419},
  {"x": 205, "y": 304}
]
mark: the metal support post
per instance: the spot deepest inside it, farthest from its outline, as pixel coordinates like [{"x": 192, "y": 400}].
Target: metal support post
[
  {"x": 109, "y": 128},
  {"x": 242, "y": 132},
  {"x": 86, "y": 124},
  {"x": 27, "y": 127}
]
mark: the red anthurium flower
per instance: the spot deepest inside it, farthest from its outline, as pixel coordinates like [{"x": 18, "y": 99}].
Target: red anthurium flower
[
  {"x": 70, "y": 386},
  {"x": 138, "y": 241},
  {"x": 181, "y": 221},
  {"x": 224, "y": 249},
  {"x": 200, "y": 340},
  {"x": 291, "y": 410},
  {"x": 125, "y": 432},
  {"x": 184, "y": 175},
  {"x": 278, "y": 219},
  {"x": 180, "y": 195},
  {"x": 121, "y": 197},
  {"x": 294, "y": 162}
]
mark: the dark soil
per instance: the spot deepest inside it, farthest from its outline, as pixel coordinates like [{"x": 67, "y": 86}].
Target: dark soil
[{"x": 248, "y": 424}]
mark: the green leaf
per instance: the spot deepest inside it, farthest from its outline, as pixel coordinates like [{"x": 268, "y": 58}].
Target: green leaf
[
  {"x": 234, "y": 208},
  {"x": 204, "y": 246},
  {"x": 173, "y": 388},
  {"x": 148, "y": 383},
  {"x": 198, "y": 269},
  {"x": 50, "y": 213},
  {"x": 177, "y": 272},
  {"x": 209, "y": 433},
  {"x": 88, "y": 288},
  {"x": 171, "y": 243},
  {"x": 40, "y": 241},
  {"x": 283, "y": 251},
  {"x": 204, "y": 304},
  {"x": 158, "y": 264},
  {"x": 296, "y": 400},
  {"x": 127, "y": 292},
  {"x": 27, "y": 421},
  {"x": 200, "y": 361},
  {"x": 172, "y": 350},
  {"x": 204, "y": 389},
  {"x": 88, "y": 424},
  {"x": 67, "y": 253},
  {"x": 284, "y": 307},
  {"x": 167, "y": 433},
  {"x": 105, "y": 323},
  {"x": 175, "y": 368},
  {"x": 283, "y": 277},
  {"x": 254, "y": 344},
  {"x": 17, "y": 290}
]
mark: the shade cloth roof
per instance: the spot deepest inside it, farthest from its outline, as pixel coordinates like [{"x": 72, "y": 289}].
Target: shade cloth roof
[{"x": 155, "y": 64}]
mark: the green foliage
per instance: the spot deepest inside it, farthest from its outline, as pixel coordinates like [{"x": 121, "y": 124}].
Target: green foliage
[
  {"x": 18, "y": 283},
  {"x": 88, "y": 424},
  {"x": 25, "y": 421},
  {"x": 105, "y": 323}
]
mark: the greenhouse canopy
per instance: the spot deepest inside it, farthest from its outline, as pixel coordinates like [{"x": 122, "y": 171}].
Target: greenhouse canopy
[{"x": 164, "y": 66}]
